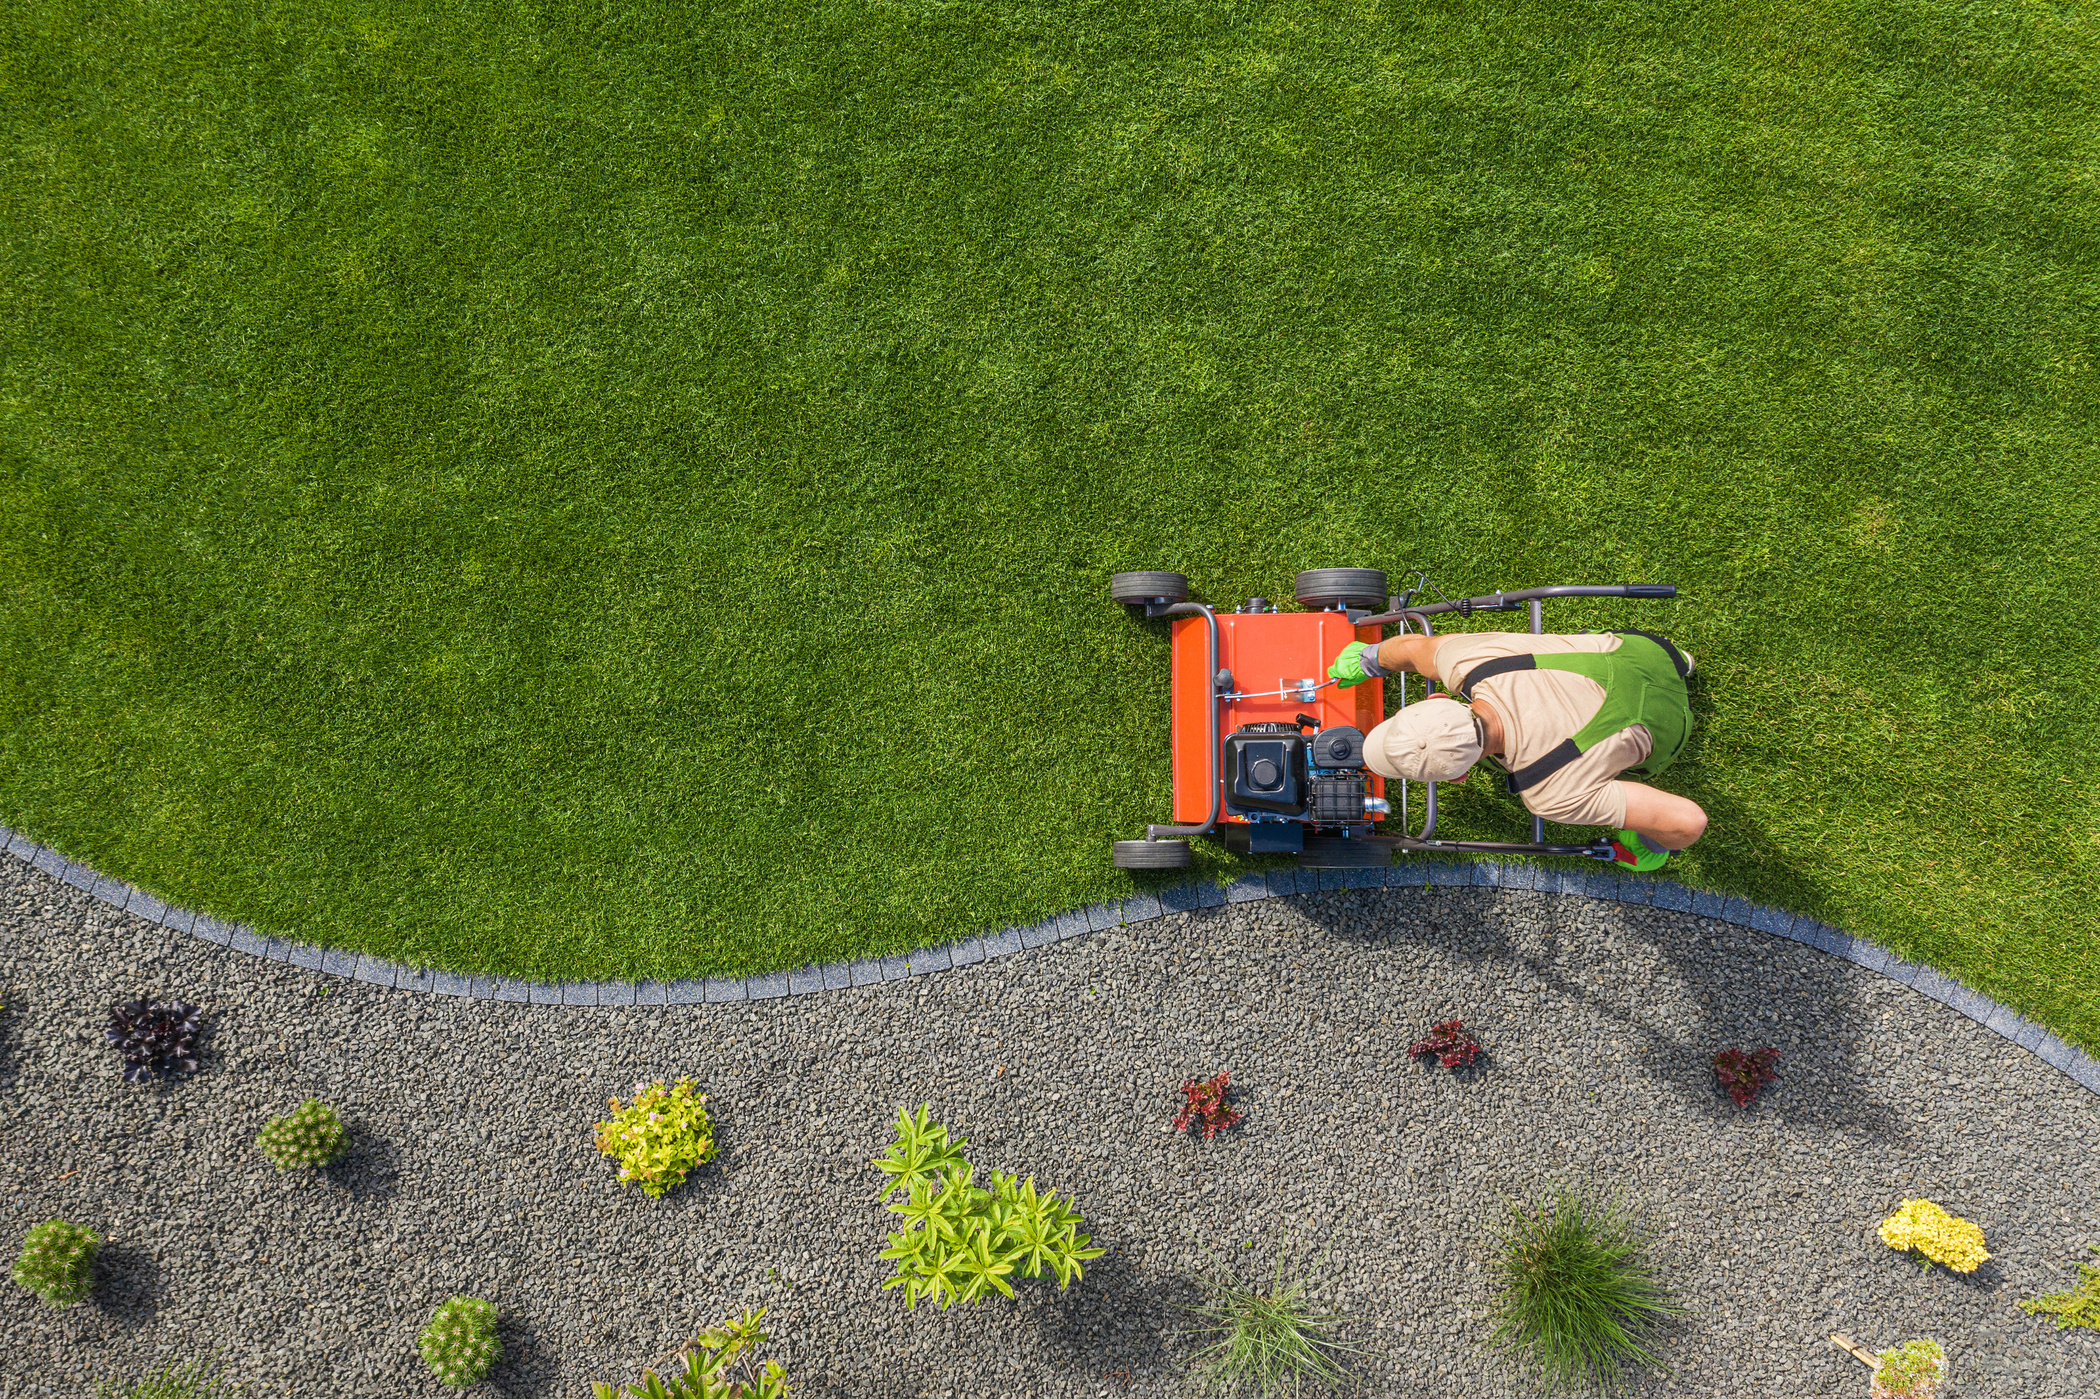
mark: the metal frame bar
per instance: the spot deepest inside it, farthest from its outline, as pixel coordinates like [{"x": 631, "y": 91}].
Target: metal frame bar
[
  {"x": 1538, "y": 627},
  {"x": 1510, "y": 602}
]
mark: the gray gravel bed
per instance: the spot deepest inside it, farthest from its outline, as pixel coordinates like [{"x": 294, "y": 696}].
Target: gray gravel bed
[{"x": 473, "y": 1168}]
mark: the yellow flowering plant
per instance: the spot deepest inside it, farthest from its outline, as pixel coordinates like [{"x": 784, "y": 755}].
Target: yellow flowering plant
[
  {"x": 662, "y": 1134},
  {"x": 1941, "y": 1237}
]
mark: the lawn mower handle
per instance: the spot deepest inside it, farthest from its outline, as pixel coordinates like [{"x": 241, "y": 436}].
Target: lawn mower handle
[
  {"x": 1510, "y": 602},
  {"x": 1210, "y": 683},
  {"x": 1415, "y": 845}
]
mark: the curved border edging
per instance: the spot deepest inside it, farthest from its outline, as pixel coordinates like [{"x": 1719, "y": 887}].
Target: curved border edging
[{"x": 1609, "y": 885}]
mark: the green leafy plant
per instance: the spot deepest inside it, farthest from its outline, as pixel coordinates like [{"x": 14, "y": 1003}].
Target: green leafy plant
[
  {"x": 719, "y": 1364},
  {"x": 57, "y": 1262},
  {"x": 960, "y": 1242},
  {"x": 1264, "y": 1341},
  {"x": 460, "y": 1344},
  {"x": 2078, "y": 1307},
  {"x": 1911, "y": 1370},
  {"x": 1580, "y": 1299},
  {"x": 660, "y": 1136},
  {"x": 312, "y": 1135},
  {"x": 922, "y": 1151},
  {"x": 191, "y": 1380}
]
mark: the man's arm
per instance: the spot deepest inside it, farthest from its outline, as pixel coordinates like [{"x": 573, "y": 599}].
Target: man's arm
[
  {"x": 1413, "y": 654},
  {"x": 1673, "y": 822}
]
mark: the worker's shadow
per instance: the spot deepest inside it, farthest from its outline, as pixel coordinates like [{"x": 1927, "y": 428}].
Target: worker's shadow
[{"x": 1747, "y": 989}]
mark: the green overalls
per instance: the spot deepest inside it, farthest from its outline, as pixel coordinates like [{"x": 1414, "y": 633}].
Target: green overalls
[{"x": 1643, "y": 684}]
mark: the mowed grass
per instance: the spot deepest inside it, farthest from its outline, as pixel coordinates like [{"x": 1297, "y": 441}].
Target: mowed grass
[{"x": 592, "y": 491}]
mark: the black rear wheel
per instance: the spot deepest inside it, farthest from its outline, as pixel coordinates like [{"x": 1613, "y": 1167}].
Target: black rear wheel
[
  {"x": 1152, "y": 855},
  {"x": 1324, "y": 588},
  {"x": 1336, "y": 853},
  {"x": 1148, "y": 586}
]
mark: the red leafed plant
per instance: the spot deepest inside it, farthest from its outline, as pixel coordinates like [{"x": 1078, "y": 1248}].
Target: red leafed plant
[
  {"x": 1206, "y": 1104},
  {"x": 1449, "y": 1042},
  {"x": 1744, "y": 1075}
]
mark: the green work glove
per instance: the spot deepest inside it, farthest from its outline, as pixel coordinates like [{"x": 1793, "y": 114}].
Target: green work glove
[
  {"x": 1357, "y": 663},
  {"x": 1628, "y": 849}
]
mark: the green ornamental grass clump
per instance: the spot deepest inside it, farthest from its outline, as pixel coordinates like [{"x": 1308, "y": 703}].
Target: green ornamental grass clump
[
  {"x": 312, "y": 1135},
  {"x": 1580, "y": 1299},
  {"x": 1264, "y": 1341},
  {"x": 57, "y": 1262},
  {"x": 2078, "y": 1307},
  {"x": 660, "y": 1136},
  {"x": 191, "y": 1380},
  {"x": 960, "y": 1242},
  {"x": 460, "y": 1342}
]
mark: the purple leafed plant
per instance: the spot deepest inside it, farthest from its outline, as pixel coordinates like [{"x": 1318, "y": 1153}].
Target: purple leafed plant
[
  {"x": 1449, "y": 1042},
  {"x": 1206, "y": 1104},
  {"x": 155, "y": 1038},
  {"x": 1746, "y": 1075}
]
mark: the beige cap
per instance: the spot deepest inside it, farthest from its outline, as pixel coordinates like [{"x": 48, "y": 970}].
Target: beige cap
[{"x": 1434, "y": 741}]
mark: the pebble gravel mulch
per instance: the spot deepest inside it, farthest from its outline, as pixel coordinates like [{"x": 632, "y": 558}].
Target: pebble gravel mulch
[{"x": 473, "y": 1168}]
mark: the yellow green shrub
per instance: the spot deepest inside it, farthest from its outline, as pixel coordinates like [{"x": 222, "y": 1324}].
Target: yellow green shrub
[
  {"x": 1943, "y": 1238},
  {"x": 660, "y": 1136}
]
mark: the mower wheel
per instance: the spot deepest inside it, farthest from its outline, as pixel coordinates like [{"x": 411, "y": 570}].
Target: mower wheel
[
  {"x": 1324, "y": 588},
  {"x": 1337, "y": 853},
  {"x": 1133, "y": 588},
  {"x": 1152, "y": 855}
]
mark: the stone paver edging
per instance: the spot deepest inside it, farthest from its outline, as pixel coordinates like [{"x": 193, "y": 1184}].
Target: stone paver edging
[{"x": 1606, "y": 884}]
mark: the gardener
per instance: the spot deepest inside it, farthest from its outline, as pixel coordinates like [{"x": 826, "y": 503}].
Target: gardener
[{"x": 1564, "y": 716}]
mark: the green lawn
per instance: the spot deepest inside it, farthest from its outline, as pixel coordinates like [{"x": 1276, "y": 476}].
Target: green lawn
[{"x": 604, "y": 491}]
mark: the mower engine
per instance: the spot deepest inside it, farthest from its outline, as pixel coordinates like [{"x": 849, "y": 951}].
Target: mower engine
[{"x": 1275, "y": 774}]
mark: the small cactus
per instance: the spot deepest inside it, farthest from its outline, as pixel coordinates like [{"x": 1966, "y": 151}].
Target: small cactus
[
  {"x": 460, "y": 1342},
  {"x": 57, "y": 1262},
  {"x": 311, "y": 1136}
]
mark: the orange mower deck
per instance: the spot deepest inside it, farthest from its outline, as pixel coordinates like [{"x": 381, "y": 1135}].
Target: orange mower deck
[{"x": 1265, "y": 651}]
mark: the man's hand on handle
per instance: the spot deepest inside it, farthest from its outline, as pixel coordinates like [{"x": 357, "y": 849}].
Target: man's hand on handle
[{"x": 1357, "y": 663}]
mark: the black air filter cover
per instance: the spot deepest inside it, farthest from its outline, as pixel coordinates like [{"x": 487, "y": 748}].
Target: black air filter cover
[
  {"x": 1265, "y": 771},
  {"x": 1339, "y": 747}
]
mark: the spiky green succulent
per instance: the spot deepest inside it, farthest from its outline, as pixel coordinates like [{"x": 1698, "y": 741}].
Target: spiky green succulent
[
  {"x": 312, "y": 1135},
  {"x": 460, "y": 1342},
  {"x": 57, "y": 1262}
]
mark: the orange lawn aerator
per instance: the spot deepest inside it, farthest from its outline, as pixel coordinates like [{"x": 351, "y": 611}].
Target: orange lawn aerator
[{"x": 1248, "y": 686}]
